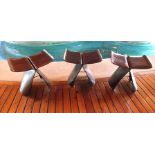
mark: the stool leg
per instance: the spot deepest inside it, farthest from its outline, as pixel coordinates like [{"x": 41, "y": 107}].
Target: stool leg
[
  {"x": 117, "y": 76},
  {"x": 89, "y": 74},
  {"x": 133, "y": 81},
  {"x": 27, "y": 82},
  {"x": 130, "y": 76},
  {"x": 42, "y": 76},
  {"x": 74, "y": 74}
]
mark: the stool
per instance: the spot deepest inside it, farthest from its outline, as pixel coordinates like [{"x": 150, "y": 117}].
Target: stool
[
  {"x": 30, "y": 66},
  {"x": 81, "y": 60},
  {"x": 126, "y": 64}
]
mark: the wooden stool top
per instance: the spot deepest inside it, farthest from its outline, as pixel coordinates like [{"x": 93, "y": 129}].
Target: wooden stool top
[
  {"x": 91, "y": 57},
  {"x": 19, "y": 64},
  {"x": 141, "y": 62},
  {"x": 119, "y": 60},
  {"x": 41, "y": 59},
  {"x": 32, "y": 62},
  {"x": 72, "y": 57},
  {"x": 83, "y": 57}
]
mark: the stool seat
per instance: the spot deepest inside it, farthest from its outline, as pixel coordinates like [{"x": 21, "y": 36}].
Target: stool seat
[
  {"x": 72, "y": 57},
  {"x": 139, "y": 62},
  {"x": 19, "y": 64},
  {"x": 41, "y": 59},
  {"x": 119, "y": 60},
  {"x": 91, "y": 57},
  {"x": 132, "y": 62},
  {"x": 85, "y": 57}
]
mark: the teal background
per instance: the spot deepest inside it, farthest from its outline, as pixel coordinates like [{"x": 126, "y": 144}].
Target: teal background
[{"x": 20, "y": 49}]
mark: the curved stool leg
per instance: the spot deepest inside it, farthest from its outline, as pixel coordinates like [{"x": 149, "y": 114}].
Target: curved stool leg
[
  {"x": 133, "y": 81},
  {"x": 89, "y": 74},
  {"x": 27, "y": 82},
  {"x": 117, "y": 76},
  {"x": 42, "y": 76},
  {"x": 74, "y": 74}
]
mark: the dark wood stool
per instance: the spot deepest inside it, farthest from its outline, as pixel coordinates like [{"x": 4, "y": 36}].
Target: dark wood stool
[
  {"x": 30, "y": 66},
  {"x": 81, "y": 59},
  {"x": 126, "y": 64}
]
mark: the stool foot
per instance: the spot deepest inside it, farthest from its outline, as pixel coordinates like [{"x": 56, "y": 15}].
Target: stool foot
[{"x": 27, "y": 82}]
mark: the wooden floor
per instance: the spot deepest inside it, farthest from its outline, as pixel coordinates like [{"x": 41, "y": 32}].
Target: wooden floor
[{"x": 82, "y": 98}]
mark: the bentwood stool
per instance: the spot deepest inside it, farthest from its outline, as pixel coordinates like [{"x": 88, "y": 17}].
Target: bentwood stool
[
  {"x": 30, "y": 66},
  {"x": 81, "y": 59},
  {"x": 126, "y": 64}
]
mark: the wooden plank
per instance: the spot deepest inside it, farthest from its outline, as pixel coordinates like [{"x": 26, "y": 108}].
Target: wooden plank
[
  {"x": 38, "y": 99},
  {"x": 2, "y": 89},
  {"x": 5, "y": 96},
  {"x": 87, "y": 100},
  {"x": 30, "y": 101},
  {"x": 45, "y": 100},
  {"x": 146, "y": 85},
  {"x": 52, "y": 100},
  {"x": 66, "y": 99},
  {"x": 152, "y": 76},
  {"x": 114, "y": 98},
  {"x": 73, "y": 100},
  {"x": 15, "y": 102},
  {"x": 10, "y": 99},
  {"x": 22, "y": 104},
  {"x": 59, "y": 101},
  {"x": 80, "y": 99},
  {"x": 142, "y": 101},
  {"x": 150, "y": 81},
  {"x": 94, "y": 100},
  {"x": 101, "y": 100},
  {"x": 147, "y": 95},
  {"x": 150, "y": 103},
  {"x": 122, "y": 101},
  {"x": 127, "y": 98},
  {"x": 133, "y": 97},
  {"x": 107, "y": 98}
]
